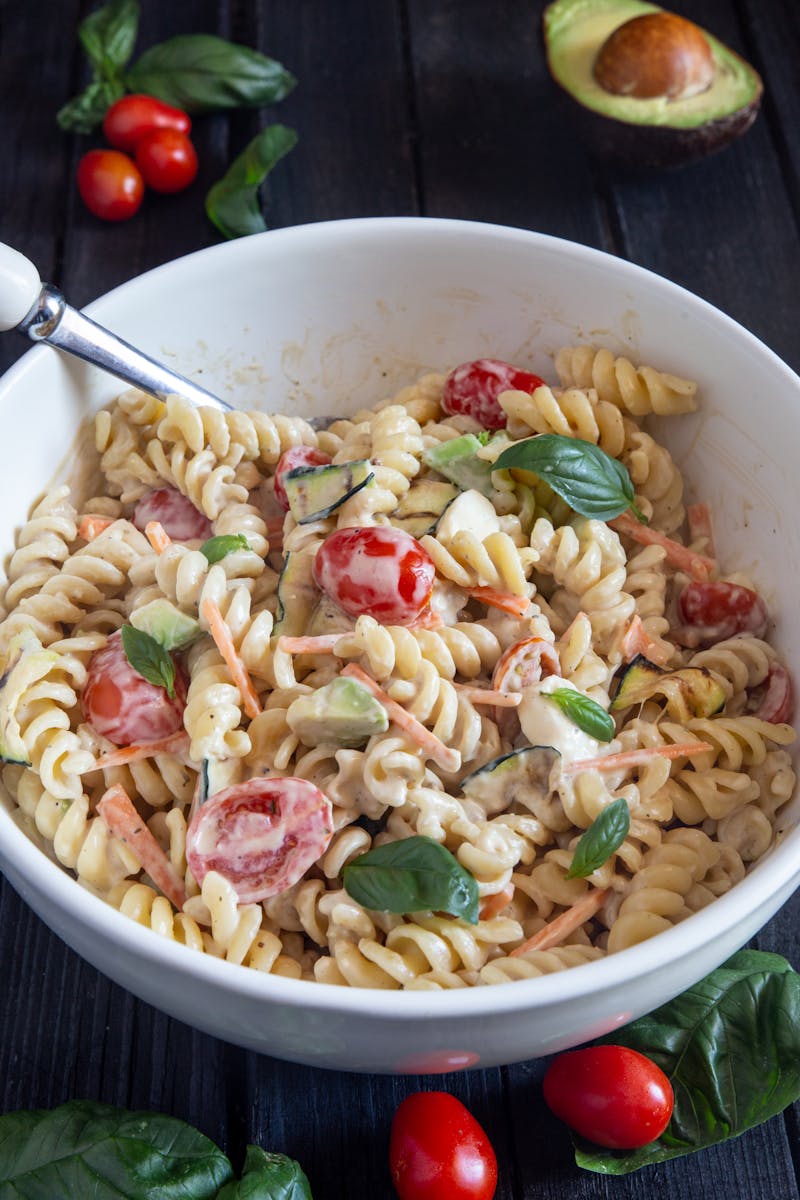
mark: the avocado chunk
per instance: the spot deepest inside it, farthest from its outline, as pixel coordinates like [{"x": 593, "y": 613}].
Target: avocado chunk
[
  {"x": 513, "y": 777},
  {"x": 166, "y": 624},
  {"x": 342, "y": 713},
  {"x": 27, "y": 662},
  {"x": 622, "y": 64},
  {"x": 457, "y": 460},
  {"x": 689, "y": 692}
]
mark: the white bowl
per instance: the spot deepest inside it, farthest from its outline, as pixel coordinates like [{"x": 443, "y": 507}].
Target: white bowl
[{"x": 330, "y": 317}]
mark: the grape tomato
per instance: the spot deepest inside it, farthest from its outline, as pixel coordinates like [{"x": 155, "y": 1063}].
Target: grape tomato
[
  {"x": 131, "y": 117},
  {"x": 376, "y": 570},
  {"x": 110, "y": 184},
  {"x": 290, "y": 460},
  {"x": 123, "y": 706},
  {"x": 176, "y": 514},
  {"x": 473, "y": 387},
  {"x": 167, "y": 160},
  {"x": 438, "y": 1151},
  {"x": 715, "y": 611},
  {"x": 262, "y": 835}
]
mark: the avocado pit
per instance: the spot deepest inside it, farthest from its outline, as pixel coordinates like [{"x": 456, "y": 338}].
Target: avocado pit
[{"x": 656, "y": 54}]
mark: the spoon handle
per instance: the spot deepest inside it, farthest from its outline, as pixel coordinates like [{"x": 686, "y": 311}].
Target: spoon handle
[{"x": 40, "y": 311}]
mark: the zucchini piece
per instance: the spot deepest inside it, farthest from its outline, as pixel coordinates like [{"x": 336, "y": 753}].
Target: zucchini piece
[
  {"x": 316, "y": 492},
  {"x": 689, "y": 692},
  {"x": 423, "y": 504},
  {"x": 170, "y": 627},
  {"x": 27, "y": 662},
  {"x": 327, "y": 617},
  {"x": 472, "y": 511},
  {"x": 342, "y": 713},
  {"x": 513, "y": 778},
  {"x": 298, "y": 595},
  {"x": 457, "y": 460}
]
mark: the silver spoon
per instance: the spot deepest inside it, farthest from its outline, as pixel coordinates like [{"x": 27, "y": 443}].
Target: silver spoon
[{"x": 40, "y": 310}]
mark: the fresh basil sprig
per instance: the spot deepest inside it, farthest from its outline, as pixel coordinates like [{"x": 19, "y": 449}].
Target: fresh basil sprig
[
  {"x": 605, "y": 835},
  {"x": 149, "y": 658},
  {"x": 108, "y": 37},
  {"x": 592, "y": 482},
  {"x": 587, "y": 714},
  {"x": 217, "y": 548},
  {"x": 730, "y": 1047},
  {"x": 232, "y": 203},
  {"x": 412, "y": 875}
]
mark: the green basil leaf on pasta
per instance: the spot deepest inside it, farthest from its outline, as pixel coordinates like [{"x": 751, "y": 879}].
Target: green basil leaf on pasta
[
  {"x": 268, "y": 1176},
  {"x": 149, "y": 658},
  {"x": 199, "y": 72},
  {"x": 232, "y": 203},
  {"x": 605, "y": 835},
  {"x": 587, "y": 714},
  {"x": 216, "y": 548},
  {"x": 413, "y": 875},
  {"x": 730, "y": 1047},
  {"x": 592, "y": 482}
]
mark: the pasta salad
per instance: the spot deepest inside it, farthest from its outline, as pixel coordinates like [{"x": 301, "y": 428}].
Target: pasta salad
[{"x": 451, "y": 692}]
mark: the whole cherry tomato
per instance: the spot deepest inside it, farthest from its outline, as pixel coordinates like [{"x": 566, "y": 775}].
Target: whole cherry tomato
[
  {"x": 167, "y": 160},
  {"x": 122, "y": 705},
  {"x": 110, "y": 184},
  {"x": 376, "y": 570},
  {"x": 127, "y": 120},
  {"x": 611, "y": 1095},
  {"x": 438, "y": 1151},
  {"x": 175, "y": 513},
  {"x": 712, "y": 612},
  {"x": 296, "y": 456},
  {"x": 473, "y": 388},
  {"x": 262, "y": 835}
]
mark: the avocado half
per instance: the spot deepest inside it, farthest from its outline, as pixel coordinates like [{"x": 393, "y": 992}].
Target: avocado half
[{"x": 656, "y": 132}]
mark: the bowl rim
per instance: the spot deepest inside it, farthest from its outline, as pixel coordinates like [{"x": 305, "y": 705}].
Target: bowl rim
[{"x": 75, "y": 904}]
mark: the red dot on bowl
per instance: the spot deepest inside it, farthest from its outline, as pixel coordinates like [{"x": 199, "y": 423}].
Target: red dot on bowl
[{"x": 438, "y": 1062}]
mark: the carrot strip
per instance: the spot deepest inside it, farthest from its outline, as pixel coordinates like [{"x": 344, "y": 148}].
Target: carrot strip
[
  {"x": 564, "y": 924},
  {"x": 157, "y": 536},
  {"x": 91, "y": 525},
  {"x": 507, "y": 602},
  {"x": 323, "y": 644},
  {"x": 634, "y": 758},
  {"x": 697, "y": 565},
  {"x": 224, "y": 643},
  {"x": 698, "y": 517},
  {"x": 427, "y": 619},
  {"x": 122, "y": 819},
  {"x": 492, "y": 905},
  {"x": 479, "y": 695},
  {"x": 434, "y": 747},
  {"x": 636, "y": 640},
  {"x": 128, "y": 754}
]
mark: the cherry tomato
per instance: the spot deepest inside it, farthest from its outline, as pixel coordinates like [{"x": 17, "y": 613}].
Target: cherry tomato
[
  {"x": 122, "y": 705},
  {"x": 715, "y": 611},
  {"x": 377, "y": 570},
  {"x": 612, "y": 1095},
  {"x": 473, "y": 388},
  {"x": 777, "y": 703},
  {"x": 262, "y": 835},
  {"x": 438, "y": 1151},
  {"x": 130, "y": 118},
  {"x": 110, "y": 184},
  {"x": 167, "y": 160},
  {"x": 175, "y": 512},
  {"x": 296, "y": 456},
  {"x": 524, "y": 663}
]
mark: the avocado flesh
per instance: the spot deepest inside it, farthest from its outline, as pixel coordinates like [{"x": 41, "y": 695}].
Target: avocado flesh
[{"x": 645, "y": 132}]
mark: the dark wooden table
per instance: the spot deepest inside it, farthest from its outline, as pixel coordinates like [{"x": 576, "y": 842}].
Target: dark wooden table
[{"x": 435, "y": 107}]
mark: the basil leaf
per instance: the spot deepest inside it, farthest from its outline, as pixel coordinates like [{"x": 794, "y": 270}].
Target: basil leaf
[
  {"x": 218, "y": 547},
  {"x": 730, "y": 1046},
  {"x": 232, "y": 203},
  {"x": 605, "y": 834},
  {"x": 109, "y": 35},
  {"x": 587, "y": 714},
  {"x": 268, "y": 1177},
  {"x": 412, "y": 875},
  {"x": 590, "y": 481},
  {"x": 149, "y": 658},
  {"x": 202, "y": 73},
  {"x": 86, "y": 1149},
  {"x": 84, "y": 113}
]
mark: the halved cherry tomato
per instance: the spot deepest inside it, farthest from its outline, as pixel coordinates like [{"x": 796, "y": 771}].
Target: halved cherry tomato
[
  {"x": 262, "y": 836},
  {"x": 110, "y": 184},
  {"x": 376, "y": 570},
  {"x": 175, "y": 513},
  {"x": 777, "y": 702},
  {"x": 296, "y": 456},
  {"x": 131, "y": 117},
  {"x": 438, "y": 1151},
  {"x": 612, "y": 1095},
  {"x": 167, "y": 160},
  {"x": 472, "y": 388},
  {"x": 712, "y": 612},
  {"x": 122, "y": 705},
  {"x": 524, "y": 663}
]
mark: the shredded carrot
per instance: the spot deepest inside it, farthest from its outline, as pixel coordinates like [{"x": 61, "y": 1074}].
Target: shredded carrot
[
  {"x": 564, "y": 924},
  {"x": 224, "y": 643},
  {"x": 492, "y": 905},
  {"x": 119, "y": 814},
  {"x": 697, "y": 565},
  {"x": 323, "y": 644},
  {"x": 698, "y": 517},
  {"x": 634, "y": 758},
  {"x": 434, "y": 747},
  {"x": 507, "y": 602},
  {"x": 91, "y": 525},
  {"x": 427, "y": 619},
  {"x": 157, "y": 536},
  {"x": 128, "y": 754},
  {"x": 479, "y": 695},
  {"x": 636, "y": 640}
]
